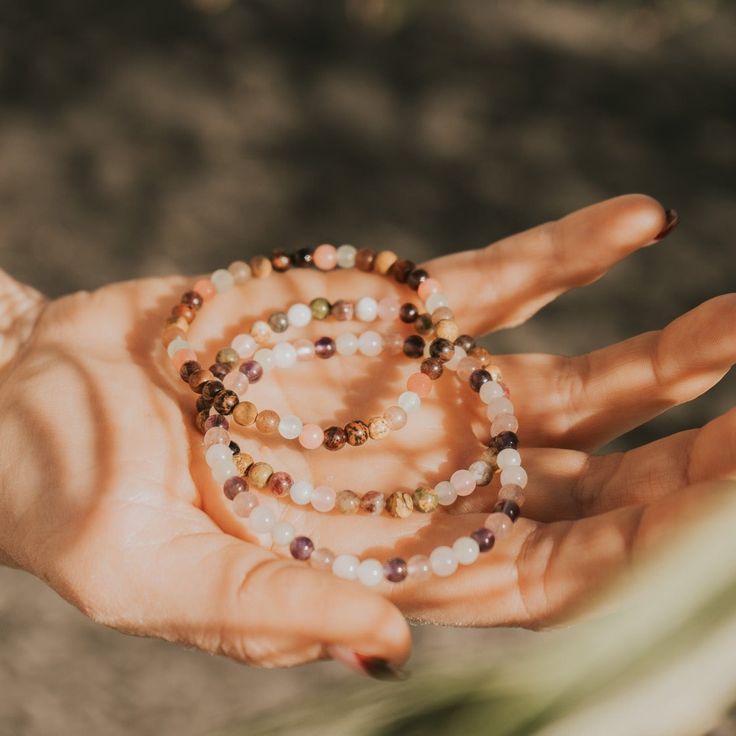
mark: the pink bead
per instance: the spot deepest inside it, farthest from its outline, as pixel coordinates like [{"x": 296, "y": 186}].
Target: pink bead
[
  {"x": 466, "y": 366},
  {"x": 513, "y": 493},
  {"x": 463, "y": 482},
  {"x": 395, "y": 416},
  {"x": 183, "y": 356},
  {"x": 393, "y": 343},
  {"x": 244, "y": 345},
  {"x": 419, "y": 568},
  {"x": 236, "y": 381},
  {"x": 325, "y": 257},
  {"x": 205, "y": 288},
  {"x": 388, "y": 308},
  {"x": 427, "y": 288},
  {"x": 499, "y": 406},
  {"x": 216, "y": 436},
  {"x": 504, "y": 423},
  {"x": 323, "y": 499},
  {"x": 244, "y": 503},
  {"x": 420, "y": 384},
  {"x": 499, "y": 524},
  {"x": 311, "y": 436},
  {"x": 322, "y": 558},
  {"x": 304, "y": 349}
]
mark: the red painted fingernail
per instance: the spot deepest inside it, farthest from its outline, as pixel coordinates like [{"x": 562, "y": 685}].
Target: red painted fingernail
[
  {"x": 672, "y": 220},
  {"x": 376, "y": 667}
]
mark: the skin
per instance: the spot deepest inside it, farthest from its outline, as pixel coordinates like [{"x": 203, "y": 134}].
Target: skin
[{"x": 105, "y": 495}]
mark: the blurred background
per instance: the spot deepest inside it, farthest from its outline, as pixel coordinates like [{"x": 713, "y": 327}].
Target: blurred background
[{"x": 144, "y": 138}]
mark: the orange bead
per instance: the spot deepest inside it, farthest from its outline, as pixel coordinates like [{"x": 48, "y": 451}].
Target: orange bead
[
  {"x": 205, "y": 288},
  {"x": 420, "y": 384}
]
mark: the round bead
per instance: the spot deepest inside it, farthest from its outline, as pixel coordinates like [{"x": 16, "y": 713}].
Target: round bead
[
  {"x": 510, "y": 508},
  {"x": 441, "y": 349},
  {"x": 264, "y": 357},
  {"x": 383, "y": 261},
  {"x": 414, "y": 346},
  {"x": 373, "y": 503},
  {"x": 395, "y": 570},
  {"x": 261, "y": 267},
  {"x": 456, "y": 359},
  {"x": 223, "y": 470},
  {"x": 346, "y": 343},
  {"x": 435, "y": 301},
  {"x": 301, "y": 548},
  {"x": 481, "y": 354},
  {"x": 432, "y": 368},
  {"x": 261, "y": 332},
  {"x": 322, "y": 559},
  {"x": 216, "y": 420},
  {"x": 211, "y": 389},
  {"x": 320, "y": 308},
  {"x": 325, "y": 347},
  {"x": 366, "y": 309},
  {"x": 466, "y": 342},
  {"x": 463, "y": 482},
  {"x": 482, "y": 472},
  {"x": 512, "y": 493},
  {"x": 233, "y": 486},
  {"x": 508, "y": 458},
  {"x": 478, "y": 378},
  {"x": 222, "y": 280},
  {"x": 267, "y": 421},
  {"x": 408, "y": 313},
  {"x": 323, "y": 499},
  {"x": 485, "y": 539},
  {"x": 282, "y": 533},
  {"x": 245, "y": 413},
  {"x": 236, "y": 382},
  {"x": 188, "y": 368},
  {"x": 447, "y": 329},
  {"x": 504, "y": 423},
  {"x": 220, "y": 370},
  {"x": 252, "y": 370},
  {"x": 280, "y": 261},
  {"x": 241, "y": 271},
  {"x": 419, "y": 568},
  {"x": 489, "y": 391},
  {"x": 343, "y": 310},
  {"x": 299, "y": 315},
  {"x": 400, "y": 270},
  {"x": 396, "y": 417},
  {"x": 365, "y": 259},
  {"x": 409, "y": 402},
  {"x": 216, "y": 436},
  {"x": 443, "y": 561},
  {"x": 427, "y": 288},
  {"x": 280, "y": 483},
  {"x": 417, "y": 277},
  {"x": 278, "y": 322},
  {"x": 176, "y": 345},
  {"x": 335, "y": 438},
  {"x": 423, "y": 324},
  {"x": 347, "y": 502},
  {"x": 442, "y": 313},
  {"x": 325, "y": 257},
  {"x": 304, "y": 349},
  {"x": 370, "y": 572},
  {"x": 290, "y": 426},
  {"x": 370, "y": 343},
  {"x": 505, "y": 439},
  {"x": 304, "y": 258},
  {"x": 498, "y": 407},
  {"x": 261, "y": 519},
  {"x": 259, "y": 473},
  {"x": 311, "y": 437},
  {"x": 446, "y": 493},
  {"x": 346, "y": 567},
  {"x": 425, "y": 500},
  {"x": 388, "y": 308},
  {"x": 466, "y": 550},
  {"x": 400, "y": 504},
  {"x": 499, "y": 524},
  {"x": 301, "y": 492},
  {"x": 284, "y": 355},
  {"x": 466, "y": 367},
  {"x": 393, "y": 343},
  {"x": 216, "y": 454},
  {"x": 242, "y": 461},
  {"x": 356, "y": 433},
  {"x": 378, "y": 428},
  {"x": 514, "y": 475},
  {"x": 346, "y": 255},
  {"x": 244, "y": 345},
  {"x": 420, "y": 384},
  {"x": 244, "y": 503}
]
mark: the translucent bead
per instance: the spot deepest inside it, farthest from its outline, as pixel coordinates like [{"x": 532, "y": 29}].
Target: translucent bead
[
  {"x": 490, "y": 390},
  {"x": 409, "y": 402},
  {"x": 346, "y": 567},
  {"x": 420, "y": 384},
  {"x": 282, "y": 533},
  {"x": 261, "y": 332},
  {"x": 241, "y": 271},
  {"x": 370, "y": 343},
  {"x": 443, "y": 561},
  {"x": 216, "y": 436},
  {"x": 304, "y": 349},
  {"x": 311, "y": 436},
  {"x": 499, "y": 406},
  {"x": 284, "y": 355},
  {"x": 301, "y": 492},
  {"x": 463, "y": 482},
  {"x": 512, "y": 493},
  {"x": 264, "y": 357},
  {"x": 504, "y": 423},
  {"x": 205, "y": 289},
  {"x": 515, "y": 475},
  {"x": 508, "y": 458},
  {"x": 419, "y": 568},
  {"x": 299, "y": 315},
  {"x": 482, "y": 472},
  {"x": 427, "y": 288},
  {"x": 499, "y": 524},
  {"x": 325, "y": 257},
  {"x": 216, "y": 454},
  {"x": 346, "y": 256},
  {"x": 454, "y": 362},
  {"x": 323, "y": 499},
  {"x": 223, "y": 470},
  {"x": 290, "y": 426},
  {"x": 395, "y": 416},
  {"x": 466, "y": 367},
  {"x": 393, "y": 343},
  {"x": 176, "y": 345},
  {"x": 446, "y": 493},
  {"x": 347, "y": 343},
  {"x": 370, "y": 572},
  {"x": 366, "y": 309},
  {"x": 236, "y": 381},
  {"x": 261, "y": 519},
  {"x": 435, "y": 301},
  {"x": 322, "y": 558},
  {"x": 222, "y": 280},
  {"x": 244, "y": 503},
  {"x": 244, "y": 345},
  {"x": 388, "y": 308},
  {"x": 466, "y": 549}
]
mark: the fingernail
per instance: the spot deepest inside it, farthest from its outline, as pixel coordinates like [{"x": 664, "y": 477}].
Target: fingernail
[
  {"x": 672, "y": 220},
  {"x": 376, "y": 667}
]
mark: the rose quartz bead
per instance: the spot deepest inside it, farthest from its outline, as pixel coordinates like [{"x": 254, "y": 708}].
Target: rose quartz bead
[
  {"x": 395, "y": 416},
  {"x": 499, "y": 524},
  {"x": 236, "y": 381},
  {"x": 393, "y": 343},
  {"x": 499, "y": 406},
  {"x": 420, "y": 384},
  {"x": 388, "y": 308},
  {"x": 244, "y": 345},
  {"x": 216, "y": 436},
  {"x": 244, "y": 503},
  {"x": 205, "y": 288},
  {"x": 304, "y": 349},
  {"x": 325, "y": 257},
  {"x": 323, "y": 498},
  {"x": 508, "y": 458},
  {"x": 515, "y": 475},
  {"x": 489, "y": 391},
  {"x": 512, "y": 493},
  {"x": 463, "y": 481},
  {"x": 419, "y": 567},
  {"x": 466, "y": 366},
  {"x": 504, "y": 423},
  {"x": 427, "y": 288},
  {"x": 458, "y": 356},
  {"x": 311, "y": 436},
  {"x": 322, "y": 558},
  {"x": 183, "y": 356}
]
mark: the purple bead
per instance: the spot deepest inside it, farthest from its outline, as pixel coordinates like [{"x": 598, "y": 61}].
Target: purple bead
[
  {"x": 478, "y": 378},
  {"x": 325, "y": 347},
  {"x": 343, "y": 310},
  {"x": 219, "y": 370},
  {"x": 395, "y": 570},
  {"x": 510, "y": 508},
  {"x": 252, "y": 370},
  {"x": 301, "y": 548},
  {"x": 216, "y": 420},
  {"x": 484, "y": 537},
  {"x": 233, "y": 486},
  {"x": 505, "y": 439}
]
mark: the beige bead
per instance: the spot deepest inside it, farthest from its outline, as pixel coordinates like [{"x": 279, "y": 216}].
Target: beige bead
[
  {"x": 261, "y": 267},
  {"x": 267, "y": 421},
  {"x": 242, "y": 462},
  {"x": 245, "y": 413},
  {"x": 259, "y": 473},
  {"x": 378, "y": 428},
  {"x": 447, "y": 329},
  {"x": 425, "y": 500},
  {"x": 384, "y": 260},
  {"x": 400, "y": 504},
  {"x": 347, "y": 502}
]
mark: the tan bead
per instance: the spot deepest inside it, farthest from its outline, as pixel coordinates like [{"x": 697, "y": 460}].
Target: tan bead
[
  {"x": 347, "y": 502},
  {"x": 267, "y": 421},
  {"x": 245, "y": 413},
  {"x": 228, "y": 356},
  {"x": 261, "y": 267},
  {"x": 425, "y": 500},
  {"x": 481, "y": 354},
  {"x": 259, "y": 473},
  {"x": 378, "y": 428},
  {"x": 242, "y": 462},
  {"x": 490, "y": 456},
  {"x": 171, "y": 333},
  {"x": 384, "y": 260},
  {"x": 495, "y": 372},
  {"x": 447, "y": 329},
  {"x": 400, "y": 504},
  {"x": 179, "y": 322}
]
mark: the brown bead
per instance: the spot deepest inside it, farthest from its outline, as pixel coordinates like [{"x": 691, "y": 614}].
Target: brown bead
[
  {"x": 416, "y": 278},
  {"x": 200, "y": 419},
  {"x": 280, "y": 261},
  {"x": 432, "y": 367},
  {"x": 220, "y": 370},
  {"x": 242, "y": 462},
  {"x": 425, "y": 500},
  {"x": 356, "y": 433},
  {"x": 335, "y": 438},
  {"x": 225, "y": 402},
  {"x": 171, "y": 333},
  {"x": 408, "y": 313},
  {"x": 280, "y": 483},
  {"x": 278, "y": 321},
  {"x": 191, "y": 366},
  {"x": 198, "y": 380},
  {"x": 490, "y": 456},
  {"x": 481, "y": 354},
  {"x": 400, "y": 504},
  {"x": 211, "y": 389},
  {"x": 267, "y": 421},
  {"x": 185, "y": 311},
  {"x": 347, "y": 502},
  {"x": 423, "y": 324},
  {"x": 441, "y": 349},
  {"x": 400, "y": 270},
  {"x": 373, "y": 502},
  {"x": 192, "y": 299},
  {"x": 384, "y": 260},
  {"x": 179, "y": 322},
  {"x": 304, "y": 258},
  {"x": 364, "y": 259},
  {"x": 447, "y": 329},
  {"x": 261, "y": 267},
  {"x": 259, "y": 473},
  {"x": 228, "y": 356},
  {"x": 245, "y": 413},
  {"x": 343, "y": 310},
  {"x": 466, "y": 342},
  {"x": 414, "y": 346},
  {"x": 203, "y": 404},
  {"x": 378, "y": 428}
]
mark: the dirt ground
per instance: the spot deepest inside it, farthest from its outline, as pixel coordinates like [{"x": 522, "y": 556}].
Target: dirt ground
[{"x": 138, "y": 139}]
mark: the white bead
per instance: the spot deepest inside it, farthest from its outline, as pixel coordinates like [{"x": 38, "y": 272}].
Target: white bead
[
  {"x": 323, "y": 499},
  {"x": 499, "y": 406},
  {"x": 409, "y": 402},
  {"x": 223, "y": 470},
  {"x": 370, "y": 343},
  {"x": 466, "y": 550},
  {"x": 490, "y": 390},
  {"x": 459, "y": 354},
  {"x": 446, "y": 493},
  {"x": 261, "y": 331},
  {"x": 443, "y": 561},
  {"x": 282, "y": 533},
  {"x": 290, "y": 426},
  {"x": 261, "y": 519},
  {"x": 175, "y": 345},
  {"x": 370, "y": 572},
  {"x": 435, "y": 301},
  {"x": 508, "y": 458},
  {"x": 304, "y": 349},
  {"x": 265, "y": 357},
  {"x": 482, "y": 472},
  {"x": 346, "y": 256},
  {"x": 222, "y": 280},
  {"x": 300, "y": 315},
  {"x": 346, "y": 567},
  {"x": 514, "y": 476},
  {"x": 366, "y": 309},
  {"x": 301, "y": 492},
  {"x": 216, "y": 454},
  {"x": 284, "y": 355},
  {"x": 347, "y": 343},
  {"x": 244, "y": 345}
]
